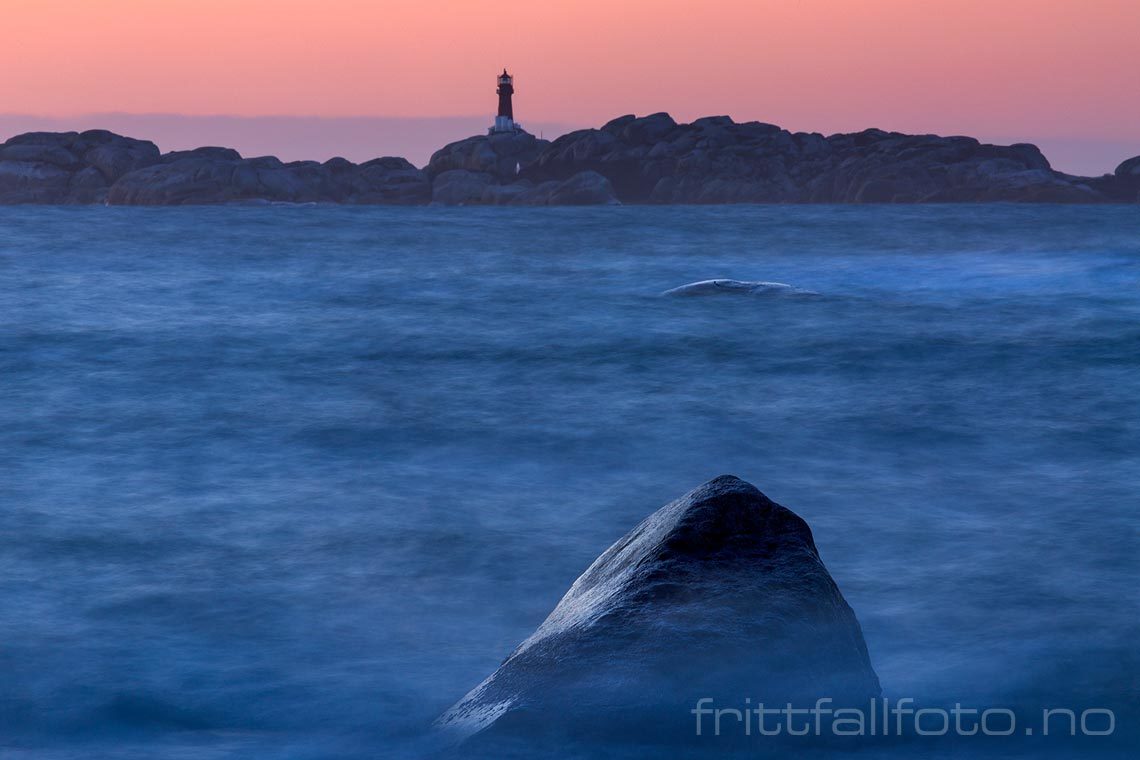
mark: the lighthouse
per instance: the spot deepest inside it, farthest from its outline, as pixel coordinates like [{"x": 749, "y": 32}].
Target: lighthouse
[{"x": 505, "y": 120}]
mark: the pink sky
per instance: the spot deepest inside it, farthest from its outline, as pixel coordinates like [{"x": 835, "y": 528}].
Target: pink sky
[{"x": 1041, "y": 70}]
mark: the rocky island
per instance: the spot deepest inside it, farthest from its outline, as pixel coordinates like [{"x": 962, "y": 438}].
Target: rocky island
[{"x": 650, "y": 159}]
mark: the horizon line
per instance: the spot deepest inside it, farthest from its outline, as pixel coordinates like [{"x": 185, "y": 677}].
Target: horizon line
[{"x": 490, "y": 116}]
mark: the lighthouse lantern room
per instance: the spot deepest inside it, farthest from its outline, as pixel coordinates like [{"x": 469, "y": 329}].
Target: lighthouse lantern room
[{"x": 505, "y": 120}]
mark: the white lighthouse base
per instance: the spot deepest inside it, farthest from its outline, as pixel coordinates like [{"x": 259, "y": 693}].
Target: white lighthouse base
[{"x": 504, "y": 124}]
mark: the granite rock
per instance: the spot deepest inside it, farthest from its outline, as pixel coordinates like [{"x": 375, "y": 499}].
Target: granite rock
[{"x": 720, "y": 594}]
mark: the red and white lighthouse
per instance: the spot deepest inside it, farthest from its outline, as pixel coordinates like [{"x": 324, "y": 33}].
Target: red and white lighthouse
[{"x": 505, "y": 120}]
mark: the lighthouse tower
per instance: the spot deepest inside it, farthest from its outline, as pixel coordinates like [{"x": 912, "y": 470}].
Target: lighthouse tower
[{"x": 505, "y": 120}]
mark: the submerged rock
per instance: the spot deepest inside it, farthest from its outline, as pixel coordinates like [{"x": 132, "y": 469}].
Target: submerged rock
[
  {"x": 720, "y": 594},
  {"x": 735, "y": 287}
]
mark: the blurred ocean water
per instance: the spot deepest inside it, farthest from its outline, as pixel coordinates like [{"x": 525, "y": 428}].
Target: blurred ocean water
[{"x": 287, "y": 482}]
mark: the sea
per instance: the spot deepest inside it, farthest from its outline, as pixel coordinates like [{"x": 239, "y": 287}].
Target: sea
[{"x": 287, "y": 482}]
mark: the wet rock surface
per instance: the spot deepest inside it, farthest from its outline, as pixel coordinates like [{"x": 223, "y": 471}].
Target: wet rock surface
[{"x": 719, "y": 594}]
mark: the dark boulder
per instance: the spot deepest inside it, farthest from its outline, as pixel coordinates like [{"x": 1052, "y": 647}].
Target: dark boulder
[
  {"x": 500, "y": 155},
  {"x": 88, "y": 186},
  {"x": 264, "y": 162},
  {"x": 339, "y": 165},
  {"x": 213, "y": 175},
  {"x": 460, "y": 187},
  {"x": 513, "y": 194},
  {"x": 647, "y": 129},
  {"x": 1123, "y": 185},
  {"x": 583, "y": 189},
  {"x": 720, "y": 594},
  {"x": 221, "y": 154},
  {"x": 1129, "y": 169},
  {"x": 597, "y": 150},
  {"x": 387, "y": 180},
  {"x": 188, "y": 181},
  {"x": 60, "y": 167},
  {"x": 735, "y": 288},
  {"x": 1032, "y": 156},
  {"x": 33, "y": 182},
  {"x": 34, "y": 153},
  {"x": 120, "y": 155},
  {"x": 615, "y": 126},
  {"x": 715, "y": 160}
]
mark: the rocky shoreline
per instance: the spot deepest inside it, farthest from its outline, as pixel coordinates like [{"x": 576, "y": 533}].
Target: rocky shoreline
[{"x": 650, "y": 159}]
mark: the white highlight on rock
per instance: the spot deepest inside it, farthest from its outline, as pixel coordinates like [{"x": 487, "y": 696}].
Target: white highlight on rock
[{"x": 736, "y": 287}]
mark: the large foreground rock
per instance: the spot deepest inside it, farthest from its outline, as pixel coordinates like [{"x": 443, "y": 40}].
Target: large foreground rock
[{"x": 720, "y": 594}]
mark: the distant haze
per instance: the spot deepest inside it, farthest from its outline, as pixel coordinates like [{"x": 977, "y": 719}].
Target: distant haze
[{"x": 358, "y": 139}]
